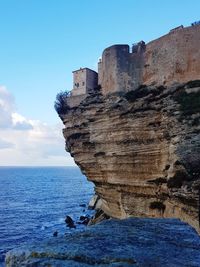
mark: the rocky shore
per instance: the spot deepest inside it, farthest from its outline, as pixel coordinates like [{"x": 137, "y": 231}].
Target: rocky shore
[{"x": 129, "y": 242}]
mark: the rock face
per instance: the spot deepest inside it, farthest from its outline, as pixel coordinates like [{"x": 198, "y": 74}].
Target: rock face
[
  {"x": 138, "y": 242},
  {"x": 141, "y": 149}
]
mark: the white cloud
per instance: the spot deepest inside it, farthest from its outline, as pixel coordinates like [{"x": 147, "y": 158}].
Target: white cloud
[
  {"x": 26, "y": 141},
  {"x": 6, "y": 108},
  {"x": 21, "y": 123},
  {"x": 4, "y": 144}
]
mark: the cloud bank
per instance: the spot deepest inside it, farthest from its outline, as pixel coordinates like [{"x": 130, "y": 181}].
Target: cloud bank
[{"x": 28, "y": 142}]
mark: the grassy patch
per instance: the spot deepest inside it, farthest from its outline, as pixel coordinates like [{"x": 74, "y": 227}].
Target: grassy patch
[
  {"x": 140, "y": 92},
  {"x": 189, "y": 103},
  {"x": 192, "y": 84}
]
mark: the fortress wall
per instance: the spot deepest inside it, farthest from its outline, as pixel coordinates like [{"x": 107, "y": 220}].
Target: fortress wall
[
  {"x": 78, "y": 91},
  {"x": 136, "y": 66},
  {"x": 109, "y": 70},
  {"x": 99, "y": 72},
  {"x": 114, "y": 68},
  {"x": 75, "y": 100},
  {"x": 91, "y": 80},
  {"x": 172, "y": 58},
  {"x": 123, "y": 68}
]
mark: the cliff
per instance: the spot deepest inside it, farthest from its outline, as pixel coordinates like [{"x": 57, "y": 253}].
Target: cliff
[{"x": 141, "y": 149}]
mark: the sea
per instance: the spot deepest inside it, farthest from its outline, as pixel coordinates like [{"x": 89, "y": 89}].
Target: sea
[{"x": 34, "y": 202}]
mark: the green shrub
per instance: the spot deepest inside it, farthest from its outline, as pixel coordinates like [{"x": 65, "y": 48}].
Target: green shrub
[
  {"x": 192, "y": 84},
  {"x": 189, "y": 103},
  {"x": 60, "y": 104},
  {"x": 140, "y": 92}
]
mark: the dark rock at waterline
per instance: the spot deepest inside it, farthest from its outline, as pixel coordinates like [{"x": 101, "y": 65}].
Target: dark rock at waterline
[
  {"x": 84, "y": 219},
  {"x": 55, "y": 233},
  {"x": 70, "y": 222},
  {"x": 82, "y": 205},
  {"x": 99, "y": 216},
  {"x": 131, "y": 242}
]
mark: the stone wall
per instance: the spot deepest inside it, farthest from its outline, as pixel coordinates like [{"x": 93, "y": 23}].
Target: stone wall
[
  {"x": 91, "y": 80},
  {"x": 84, "y": 81},
  {"x": 115, "y": 68},
  {"x": 100, "y": 72},
  {"x": 75, "y": 100},
  {"x": 172, "y": 58},
  {"x": 79, "y": 79},
  {"x": 120, "y": 69}
]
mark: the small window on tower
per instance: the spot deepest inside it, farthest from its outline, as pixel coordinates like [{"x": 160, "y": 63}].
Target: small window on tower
[
  {"x": 77, "y": 84},
  {"x": 83, "y": 83}
]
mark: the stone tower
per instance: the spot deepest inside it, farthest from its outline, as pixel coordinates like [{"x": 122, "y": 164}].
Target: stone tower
[{"x": 84, "y": 80}]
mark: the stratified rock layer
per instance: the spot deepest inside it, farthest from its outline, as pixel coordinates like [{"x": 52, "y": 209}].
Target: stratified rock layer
[
  {"x": 141, "y": 149},
  {"x": 131, "y": 242}
]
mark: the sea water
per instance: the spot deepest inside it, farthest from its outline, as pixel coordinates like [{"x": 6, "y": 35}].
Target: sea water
[{"x": 35, "y": 200}]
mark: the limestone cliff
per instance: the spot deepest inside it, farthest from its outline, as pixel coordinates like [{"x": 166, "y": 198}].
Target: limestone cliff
[{"x": 141, "y": 150}]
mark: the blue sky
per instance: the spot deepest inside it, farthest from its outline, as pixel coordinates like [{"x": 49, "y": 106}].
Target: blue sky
[{"x": 42, "y": 41}]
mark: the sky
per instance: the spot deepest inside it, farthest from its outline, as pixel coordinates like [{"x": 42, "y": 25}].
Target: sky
[{"x": 43, "y": 41}]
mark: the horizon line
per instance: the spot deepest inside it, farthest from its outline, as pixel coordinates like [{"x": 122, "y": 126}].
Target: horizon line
[{"x": 36, "y": 166}]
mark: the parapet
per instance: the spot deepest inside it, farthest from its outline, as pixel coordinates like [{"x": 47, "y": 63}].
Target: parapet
[
  {"x": 177, "y": 28},
  {"x": 139, "y": 47},
  {"x": 118, "y": 48}
]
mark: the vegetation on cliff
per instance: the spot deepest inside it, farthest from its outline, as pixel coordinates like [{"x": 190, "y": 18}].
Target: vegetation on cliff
[{"x": 60, "y": 104}]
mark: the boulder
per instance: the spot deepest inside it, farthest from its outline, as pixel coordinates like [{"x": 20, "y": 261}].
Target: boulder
[{"x": 70, "y": 222}]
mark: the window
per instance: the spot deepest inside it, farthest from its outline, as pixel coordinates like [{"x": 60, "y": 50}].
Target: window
[
  {"x": 76, "y": 85},
  {"x": 83, "y": 83}
]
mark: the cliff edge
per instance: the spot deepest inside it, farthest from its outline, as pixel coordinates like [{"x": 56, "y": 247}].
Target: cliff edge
[{"x": 141, "y": 149}]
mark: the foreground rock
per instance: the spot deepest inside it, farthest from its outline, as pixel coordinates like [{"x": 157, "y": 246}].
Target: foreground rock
[
  {"x": 141, "y": 149},
  {"x": 70, "y": 222},
  {"x": 130, "y": 242}
]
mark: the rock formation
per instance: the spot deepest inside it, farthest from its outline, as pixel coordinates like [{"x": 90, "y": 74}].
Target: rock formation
[{"x": 141, "y": 149}]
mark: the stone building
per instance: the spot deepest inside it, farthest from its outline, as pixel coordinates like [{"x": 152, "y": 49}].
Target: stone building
[
  {"x": 84, "y": 80},
  {"x": 172, "y": 58}
]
